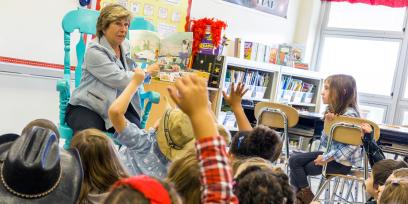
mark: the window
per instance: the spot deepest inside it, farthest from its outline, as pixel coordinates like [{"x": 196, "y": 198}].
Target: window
[
  {"x": 373, "y": 113},
  {"x": 368, "y": 61},
  {"x": 367, "y": 42},
  {"x": 366, "y": 17}
]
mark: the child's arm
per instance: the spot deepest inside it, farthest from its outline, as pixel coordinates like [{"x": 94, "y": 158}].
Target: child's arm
[
  {"x": 190, "y": 94},
  {"x": 234, "y": 100},
  {"x": 118, "y": 108},
  {"x": 342, "y": 151}
]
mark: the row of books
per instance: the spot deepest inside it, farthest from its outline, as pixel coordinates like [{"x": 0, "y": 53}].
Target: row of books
[
  {"x": 282, "y": 54},
  {"x": 255, "y": 81},
  {"x": 295, "y": 91},
  {"x": 228, "y": 120},
  {"x": 248, "y": 77},
  {"x": 289, "y": 83}
]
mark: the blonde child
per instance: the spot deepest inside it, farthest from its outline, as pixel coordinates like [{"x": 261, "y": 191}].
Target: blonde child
[
  {"x": 100, "y": 163},
  {"x": 150, "y": 151},
  {"x": 395, "y": 190},
  {"x": 340, "y": 94},
  {"x": 379, "y": 174},
  {"x": 190, "y": 95},
  {"x": 214, "y": 170}
]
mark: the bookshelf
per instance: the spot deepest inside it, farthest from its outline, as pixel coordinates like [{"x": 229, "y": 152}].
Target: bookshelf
[
  {"x": 265, "y": 82},
  {"x": 308, "y": 97}
]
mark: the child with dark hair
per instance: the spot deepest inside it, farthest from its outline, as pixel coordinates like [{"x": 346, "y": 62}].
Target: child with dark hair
[
  {"x": 380, "y": 172},
  {"x": 260, "y": 141},
  {"x": 260, "y": 185}
]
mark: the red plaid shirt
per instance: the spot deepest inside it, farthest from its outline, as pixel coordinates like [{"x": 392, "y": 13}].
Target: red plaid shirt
[{"x": 216, "y": 174}]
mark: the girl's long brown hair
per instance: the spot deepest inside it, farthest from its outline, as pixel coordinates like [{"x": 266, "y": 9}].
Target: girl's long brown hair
[
  {"x": 342, "y": 93},
  {"x": 99, "y": 160}
]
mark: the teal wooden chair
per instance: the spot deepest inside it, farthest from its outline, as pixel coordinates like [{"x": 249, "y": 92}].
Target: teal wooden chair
[{"x": 84, "y": 20}]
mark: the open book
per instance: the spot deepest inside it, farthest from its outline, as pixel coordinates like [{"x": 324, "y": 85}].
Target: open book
[{"x": 173, "y": 50}]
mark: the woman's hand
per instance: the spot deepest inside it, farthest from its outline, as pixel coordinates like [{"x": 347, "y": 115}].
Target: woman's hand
[
  {"x": 235, "y": 97},
  {"x": 153, "y": 69},
  {"x": 138, "y": 76}
]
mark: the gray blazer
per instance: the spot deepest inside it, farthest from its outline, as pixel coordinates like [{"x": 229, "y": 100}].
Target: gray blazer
[{"x": 104, "y": 78}]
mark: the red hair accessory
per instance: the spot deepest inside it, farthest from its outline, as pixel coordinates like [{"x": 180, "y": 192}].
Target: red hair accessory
[{"x": 149, "y": 187}]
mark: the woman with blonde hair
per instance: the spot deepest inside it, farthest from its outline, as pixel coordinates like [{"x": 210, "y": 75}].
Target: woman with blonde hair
[
  {"x": 108, "y": 69},
  {"x": 100, "y": 162}
]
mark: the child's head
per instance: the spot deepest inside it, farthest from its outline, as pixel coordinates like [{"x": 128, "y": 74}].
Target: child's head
[
  {"x": 380, "y": 172},
  {"x": 142, "y": 190},
  {"x": 175, "y": 134},
  {"x": 184, "y": 173},
  {"x": 340, "y": 92},
  {"x": 395, "y": 190},
  {"x": 260, "y": 142},
  {"x": 100, "y": 162},
  {"x": 243, "y": 164},
  {"x": 44, "y": 123},
  {"x": 258, "y": 185}
]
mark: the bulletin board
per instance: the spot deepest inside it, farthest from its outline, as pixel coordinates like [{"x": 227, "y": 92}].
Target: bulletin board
[{"x": 167, "y": 15}]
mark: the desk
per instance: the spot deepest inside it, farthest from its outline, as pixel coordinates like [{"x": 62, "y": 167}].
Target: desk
[
  {"x": 393, "y": 139},
  {"x": 161, "y": 87}
]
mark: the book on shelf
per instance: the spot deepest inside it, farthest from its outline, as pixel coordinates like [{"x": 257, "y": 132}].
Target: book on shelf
[
  {"x": 255, "y": 81},
  {"x": 282, "y": 54},
  {"x": 172, "y": 50},
  {"x": 295, "y": 91},
  {"x": 228, "y": 120}
]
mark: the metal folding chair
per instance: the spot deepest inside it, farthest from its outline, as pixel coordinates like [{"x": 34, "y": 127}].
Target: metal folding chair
[{"x": 346, "y": 130}]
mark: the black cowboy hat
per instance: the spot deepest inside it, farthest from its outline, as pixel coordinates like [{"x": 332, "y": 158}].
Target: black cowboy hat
[
  {"x": 6, "y": 141},
  {"x": 36, "y": 170}
]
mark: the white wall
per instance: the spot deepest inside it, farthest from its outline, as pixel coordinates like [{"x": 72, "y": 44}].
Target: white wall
[
  {"x": 30, "y": 31},
  {"x": 249, "y": 23},
  {"x": 25, "y": 98},
  {"x": 307, "y": 26}
]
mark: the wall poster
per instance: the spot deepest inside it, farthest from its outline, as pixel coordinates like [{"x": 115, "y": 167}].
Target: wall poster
[
  {"x": 274, "y": 7},
  {"x": 167, "y": 15}
]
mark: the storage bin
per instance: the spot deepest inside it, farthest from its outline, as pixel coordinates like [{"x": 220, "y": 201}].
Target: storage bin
[
  {"x": 297, "y": 97},
  {"x": 259, "y": 92},
  {"x": 307, "y": 97}
]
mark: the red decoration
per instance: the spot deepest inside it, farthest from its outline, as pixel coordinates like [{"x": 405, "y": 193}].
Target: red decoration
[
  {"x": 198, "y": 28},
  {"x": 390, "y": 3}
]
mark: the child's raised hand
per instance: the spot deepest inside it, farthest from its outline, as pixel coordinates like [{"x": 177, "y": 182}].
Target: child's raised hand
[
  {"x": 330, "y": 116},
  {"x": 235, "y": 97},
  {"x": 190, "y": 94},
  {"x": 138, "y": 76},
  {"x": 366, "y": 128}
]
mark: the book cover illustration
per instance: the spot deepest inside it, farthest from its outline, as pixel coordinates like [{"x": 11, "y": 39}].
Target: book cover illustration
[
  {"x": 211, "y": 64},
  {"x": 172, "y": 51}
]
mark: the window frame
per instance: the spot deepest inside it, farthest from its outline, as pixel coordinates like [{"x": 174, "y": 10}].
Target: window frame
[{"x": 396, "y": 101}]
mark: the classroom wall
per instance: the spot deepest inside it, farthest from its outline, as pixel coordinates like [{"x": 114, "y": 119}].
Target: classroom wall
[
  {"x": 25, "y": 97},
  {"x": 249, "y": 23}
]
